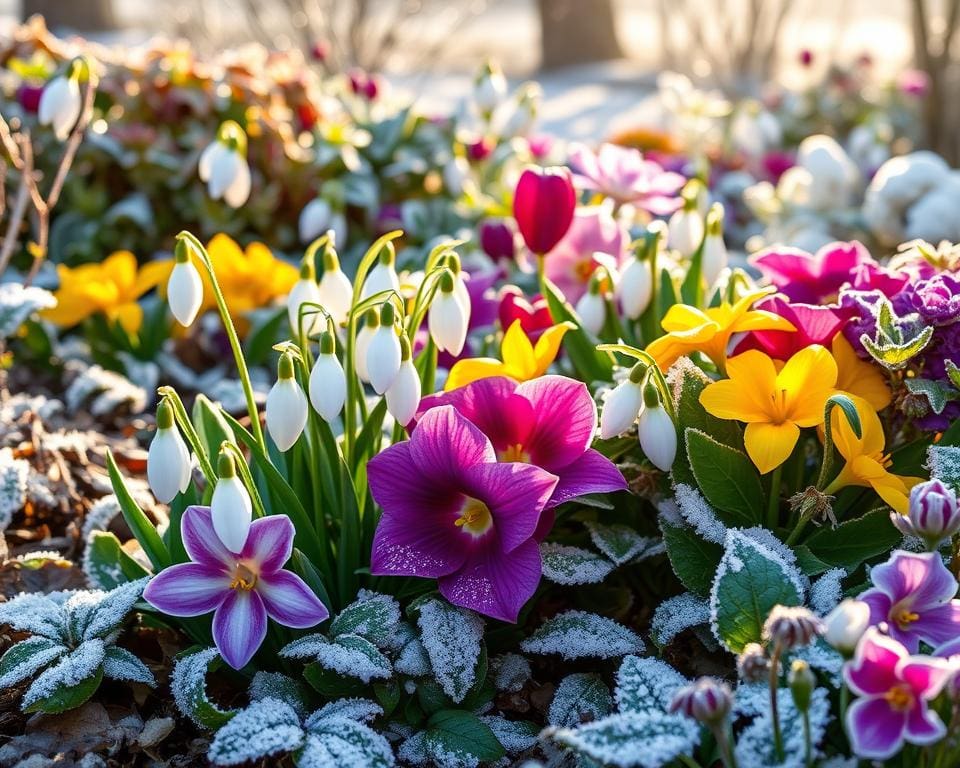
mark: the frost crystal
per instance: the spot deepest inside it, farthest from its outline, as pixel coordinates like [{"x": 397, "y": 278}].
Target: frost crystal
[
  {"x": 18, "y": 302},
  {"x": 766, "y": 539},
  {"x": 340, "y": 742},
  {"x": 452, "y": 638},
  {"x": 361, "y": 710},
  {"x": 372, "y": 616},
  {"x": 27, "y": 657},
  {"x": 347, "y": 654},
  {"x": 699, "y": 514},
  {"x": 821, "y": 656},
  {"x": 578, "y": 634},
  {"x": 515, "y": 737},
  {"x": 189, "y": 685},
  {"x": 13, "y": 486},
  {"x": 413, "y": 660},
  {"x": 676, "y": 614},
  {"x": 273, "y": 685},
  {"x": 34, "y": 613},
  {"x": 632, "y": 740},
  {"x": 120, "y": 664},
  {"x": 79, "y": 665},
  {"x": 572, "y": 565},
  {"x": 100, "y": 515},
  {"x": 580, "y": 697},
  {"x": 110, "y": 392},
  {"x": 621, "y": 543},
  {"x": 511, "y": 671},
  {"x": 943, "y": 461},
  {"x": 755, "y": 746},
  {"x": 646, "y": 685},
  {"x": 264, "y": 729},
  {"x": 826, "y": 591}
]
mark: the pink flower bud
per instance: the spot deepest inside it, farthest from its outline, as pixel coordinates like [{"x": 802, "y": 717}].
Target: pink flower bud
[
  {"x": 498, "y": 239},
  {"x": 543, "y": 206},
  {"x": 707, "y": 701},
  {"x": 933, "y": 515}
]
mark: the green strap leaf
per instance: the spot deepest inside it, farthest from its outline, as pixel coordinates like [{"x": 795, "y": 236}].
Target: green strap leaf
[{"x": 141, "y": 526}]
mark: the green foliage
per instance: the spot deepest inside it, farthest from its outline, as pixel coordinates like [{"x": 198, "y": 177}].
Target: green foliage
[{"x": 727, "y": 478}]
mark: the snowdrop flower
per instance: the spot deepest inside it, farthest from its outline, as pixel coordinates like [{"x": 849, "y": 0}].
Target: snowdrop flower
[
  {"x": 371, "y": 321},
  {"x": 286, "y": 406},
  {"x": 658, "y": 435},
  {"x": 460, "y": 289},
  {"x": 489, "y": 88},
  {"x": 383, "y": 276},
  {"x": 305, "y": 291},
  {"x": 223, "y": 166},
  {"x": 383, "y": 352},
  {"x": 317, "y": 217},
  {"x": 184, "y": 287},
  {"x": 328, "y": 382},
  {"x": 403, "y": 397},
  {"x": 168, "y": 462},
  {"x": 622, "y": 405},
  {"x": 714, "y": 250},
  {"x": 60, "y": 102},
  {"x": 636, "y": 287},
  {"x": 230, "y": 506},
  {"x": 522, "y": 115},
  {"x": 833, "y": 175},
  {"x": 336, "y": 290},
  {"x": 592, "y": 307},
  {"x": 446, "y": 319},
  {"x": 456, "y": 175},
  {"x": 844, "y": 625},
  {"x": 685, "y": 228}
]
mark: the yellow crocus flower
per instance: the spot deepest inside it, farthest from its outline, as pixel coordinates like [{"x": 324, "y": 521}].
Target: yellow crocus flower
[
  {"x": 522, "y": 360},
  {"x": 866, "y": 463},
  {"x": 110, "y": 287},
  {"x": 858, "y": 377},
  {"x": 690, "y": 329},
  {"x": 774, "y": 405}
]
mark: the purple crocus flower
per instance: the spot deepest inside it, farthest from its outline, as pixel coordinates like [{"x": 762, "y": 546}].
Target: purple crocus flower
[
  {"x": 453, "y": 513},
  {"x": 811, "y": 278},
  {"x": 894, "y": 688},
  {"x": 548, "y": 421},
  {"x": 242, "y": 589},
  {"x": 936, "y": 300},
  {"x": 912, "y": 594}
]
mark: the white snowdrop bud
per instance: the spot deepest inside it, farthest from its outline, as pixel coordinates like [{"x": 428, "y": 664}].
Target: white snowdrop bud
[
  {"x": 317, "y": 217},
  {"x": 336, "y": 291},
  {"x": 658, "y": 435},
  {"x": 371, "y": 322},
  {"x": 489, "y": 88},
  {"x": 403, "y": 397},
  {"x": 623, "y": 405},
  {"x": 714, "y": 250},
  {"x": 305, "y": 291},
  {"x": 223, "y": 166},
  {"x": 383, "y": 276},
  {"x": 286, "y": 406},
  {"x": 168, "y": 462},
  {"x": 328, "y": 382},
  {"x": 383, "y": 352},
  {"x": 460, "y": 285},
  {"x": 184, "y": 287},
  {"x": 592, "y": 308},
  {"x": 685, "y": 228},
  {"x": 230, "y": 507},
  {"x": 61, "y": 104},
  {"x": 844, "y": 625},
  {"x": 446, "y": 320},
  {"x": 636, "y": 287},
  {"x": 456, "y": 174}
]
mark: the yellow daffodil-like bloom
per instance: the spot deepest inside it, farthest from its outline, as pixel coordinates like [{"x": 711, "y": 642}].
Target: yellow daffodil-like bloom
[
  {"x": 690, "y": 329},
  {"x": 111, "y": 287},
  {"x": 774, "y": 405},
  {"x": 522, "y": 360},
  {"x": 866, "y": 463},
  {"x": 858, "y": 377}
]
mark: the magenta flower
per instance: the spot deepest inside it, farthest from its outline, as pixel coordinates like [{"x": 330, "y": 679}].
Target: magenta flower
[
  {"x": 534, "y": 314},
  {"x": 912, "y": 594},
  {"x": 543, "y": 206},
  {"x": 814, "y": 324},
  {"x": 625, "y": 176},
  {"x": 453, "y": 513},
  {"x": 498, "y": 240},
  {"x": 242, "y": 589},
  {"x": 548, "y": 422},
  {"x": 811, "y": 278},
  {"x": 894, "y": 688},
  {"x": 595, "y": 238}
]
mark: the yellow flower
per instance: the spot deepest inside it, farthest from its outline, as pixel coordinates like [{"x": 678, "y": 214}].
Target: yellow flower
[
  {"x": 111, "y": 287},
  {"x": 774, "y": 405},
  {"x": 690, "y": 329},
  {"x": 521, "y": 359},
  {"x": 866, "y": 463},
  {"x": 858, "y": 377}
]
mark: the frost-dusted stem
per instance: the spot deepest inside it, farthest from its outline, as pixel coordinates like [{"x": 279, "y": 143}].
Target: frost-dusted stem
[
  {"x": 234, "y": 340},
  {"x": 721, "y": 732},
  {"x": 774, "y": 711}
]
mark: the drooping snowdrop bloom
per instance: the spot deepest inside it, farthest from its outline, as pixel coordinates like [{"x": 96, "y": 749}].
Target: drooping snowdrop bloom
[
  {"x": 168, "y": 461},
  {"x": 383, "y": 352},
  {"x": 460, "y": 289},
  {"x": 685, "y": 228},
  {"x": 456, "y": 175},
  {"x": 305, "y": 291},
  {"x": 592, "y": 307},
  {"x": 318, "y": 216},
  {"x": 371, "y": 322},
  {"x": 336, "y": 290},
  {"x": 223, "y": 166},
  {"x": 636, "y": 287},
  {"x": 328, "y": 382},
  {"x": 489, "y": 89},
  {"x": 714, "y": 249},
  {"x": 184, "y": 287},
  {"x": 286, "y": 406},
  {"x": 446, "y": 319},
  {"x": 383, "y": 276},
  {"x": 844, "y": 625},
  {"x": 61, "y": 103},
  {"x": 403, "y": 397},
  {"x": 230, "y": 507},
  {"x": 657, "y": 432},
  {"x": 242, "y": 588},
  {"x": 622, "y": 405}
]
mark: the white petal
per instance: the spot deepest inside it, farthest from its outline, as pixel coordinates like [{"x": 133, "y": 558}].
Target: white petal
[
  {"x": 335, "y": 294},
  {"x": 383, "y": 358},
  {"x": 315, "y": 219},
  {"x": 60, "y": 106},
  {"x": 593, "y": 312},
  {"x": 380, "y": 278},
  {"x": 364, "y": 335},
  {"x": 304, "y": 290},
  {"x": 714, "y": 258},
  {"x": 328, "y": 387},
  {"x": 232, "y": 511},
  {"x": 620, "y": 409},
  {"x": 237, "y": 193},
  {"x": 403, "y": 397},
  {"x": 207, "y": 158},
  {"x": 658, "y": 437},
  {"x": 685, "y": 231},
  {"x": 636, "y": 288},
  {"x": 286, "y": 413},
  {"x": 168, "y": 465},
  {"x": 185, "y": 292},
  {"x": 447, "y": 323}
]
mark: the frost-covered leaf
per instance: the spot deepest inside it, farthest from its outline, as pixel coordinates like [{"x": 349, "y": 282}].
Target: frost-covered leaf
[
  {"x": 27, "y": 657},
  {"x": 69, "y": 682},
  {"x": 937, "y": 393},
  {"x": 266, "y": 728},
  {"x": 646, "y": 685},
  {"x": 755, "y": 747},
  {"x": 821, "y": 657},
  {"x": 13, "y": 485},
  {"x": 452, "y": 637},
  {"x": 120, "y": 664},
  {"x": 104, "y": 393},
  {"x": 455, "y": 736},
  {"x": 361, "y": 710},
  {"x": 826, "y": 591},
  {"x": 675, "y": 614},
  {"x": 515, "y": 736},
  {"x": 274, "y": 685},
  {"x": 620, "y": 542},
  {"x": 572, "y": 565},
  {"x": 943, "y": 461},
  {"x": 749, "y": 582},
  {"x": 726, "y": 477},
  {"x": 97, "y": 614},
  {"x": 511, "y": 671},
  {"x": 629, "y": 740},
  {"x": 354, "y": 656},
  {"x": 371, "y": 615},
  {"x": 34, "y": 613},
  {"x": 306, "y": 647},
  {"x": 578, "y": 634},
  {"x": 413, "y": 660},
  {"x": 189, "y": 686},
  {"x": 693, "y": 558},
  {"x": 698, "y": 514},
  {"x": 580, "y": 697},
  {"x": 18, "y": 302},
  {"x": 339, "y": 742}
]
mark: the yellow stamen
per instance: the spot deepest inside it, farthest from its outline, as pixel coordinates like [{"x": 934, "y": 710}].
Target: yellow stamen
[
  {"x": 515, "y": 452},
  {"x": 900, "y": 698},
  {"x": 475, "y": 517},
  {"x": 905, "y": 618},
  {"x": 244, "y": 578}
]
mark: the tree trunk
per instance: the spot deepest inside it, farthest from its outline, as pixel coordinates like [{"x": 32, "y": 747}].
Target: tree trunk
[
  {"x": 80, "y": 15},
  {"x": 577, "y": 32}
]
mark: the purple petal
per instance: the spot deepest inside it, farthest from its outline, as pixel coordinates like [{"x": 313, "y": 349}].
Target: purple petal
[
  {"x": 922, "y": 577},
  {"x": 493, "y": 583},
  {"x": 875, "y": 728},
  {"x": 269, "y": 543},
  {"x": 948, "y": 649},
  {"x": 516, "y": 495},
  {"x": 444, "y": 442},
  {"x": 879, "y": 605},
  {"x": 924, "y": 674},
  {"x": 939, "y": 624},
  {"x": 239, "y": 626},
  {"x": 591, "y": 473},
  {"x": 873, "y": 669},
  {"x": 289, "y": 601},
  {"x": 187, "y": 589},
  {"x": 566, "y": 420},
  {"x": 201, "y": 541},
  {"x": 924, "y": 726}
]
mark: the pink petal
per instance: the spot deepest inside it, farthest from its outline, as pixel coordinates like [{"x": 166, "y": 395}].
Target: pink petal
[
  {"x": 873, "y": 669},
  {"x": 201, "y": 541},
  {"x": 876, "y": 729},
  {"x": 187, "y": 589},
  {"x": 270, "y": 542},
  {"x": 444, "y": 442},
  {"x": 924, "y": 726},
  {"x": 566, "y": 418},
  {"x": 289, "y": 601},
  {"x": 591, "y": 473},
  {"x": 239, "y": 626},
  {"x": 925, "y": 674}
]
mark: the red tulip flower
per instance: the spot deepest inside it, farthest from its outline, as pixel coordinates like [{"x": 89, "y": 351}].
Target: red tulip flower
[{"x": 543, "y": 206}]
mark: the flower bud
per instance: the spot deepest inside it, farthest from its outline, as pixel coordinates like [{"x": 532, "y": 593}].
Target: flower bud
[
  {"x": 714, "y": 249},
  {"x": 498, "y": 240},
  {"x": 592, "y": 308},
  {"x": 335, "y": 290},
  {"x": 223, "y": 166},
  {"x": 844, "y": 625},
  {"x": 383, "y": 276},
  {"x": 656, "y": 430},
  {"x": 317, "y": 217},
  {"x": 456, "y": 175},
  {"x": 446, "y": 319},
  {"x": 791, "y": 627},
  {"x": 802, "y": 681},
  {"x": 403, "y": 397},
  {"x": 489, "y": 88},
  {"x": 61, "y": 104},
  {"x": 328, "y": 382},
  {"x": 305, "y": 291},
  {"x": 636, "y": 287},
  {"x": 169, "y": 466},
  {"x": 383, "y": 352},
  {"x": 184, "y": 287},
  {"x": 371, "y": 322},
  {"x": 933, "y": 514},
  {"x": 230, "y": 506},
  {"x": 543, "y": 205},
  {"x": 685, "y": 228},
  {"x": 286, "y": 406},
  {"x": 707, "y": 701},
  {"x": 622, "y": 405},
  {"x": 753, "y": 666}
]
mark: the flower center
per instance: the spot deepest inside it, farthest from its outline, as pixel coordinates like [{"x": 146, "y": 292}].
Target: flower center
[
  {"x": 515, "y": 452},
  {"x": 584, "y": 269},
  {"x": 475, "y": 517},
  {"x": 779, "y": 406},
  {"x": 900, "y": 698},
  {"x": 243, "y": 578},
  {"x": 905, "y": 617}
]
